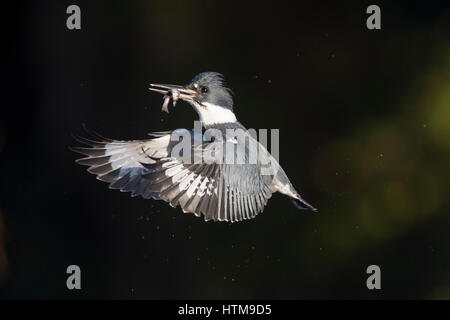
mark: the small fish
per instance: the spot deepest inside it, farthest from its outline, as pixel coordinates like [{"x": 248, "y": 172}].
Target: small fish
[
  {"x": 171, "y": 94},
  {"x": 165, "y": 106}
]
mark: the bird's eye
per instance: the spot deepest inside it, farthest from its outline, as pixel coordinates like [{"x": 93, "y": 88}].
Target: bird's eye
[{"x": 205, "y": 89}]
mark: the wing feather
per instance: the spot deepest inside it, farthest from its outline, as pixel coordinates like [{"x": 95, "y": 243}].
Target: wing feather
[{"x": 219, "y": 192}]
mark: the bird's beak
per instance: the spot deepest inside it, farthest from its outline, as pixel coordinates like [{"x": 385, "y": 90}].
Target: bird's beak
[
  {"x": 168, "y": 89},
  {"x": 173, "y": 92}
]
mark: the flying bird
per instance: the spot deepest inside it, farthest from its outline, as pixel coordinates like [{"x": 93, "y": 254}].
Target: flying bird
[{"x": 216, "y": 189}]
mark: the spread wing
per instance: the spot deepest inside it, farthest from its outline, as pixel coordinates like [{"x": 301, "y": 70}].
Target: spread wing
[{"x": 147, "y": 168}]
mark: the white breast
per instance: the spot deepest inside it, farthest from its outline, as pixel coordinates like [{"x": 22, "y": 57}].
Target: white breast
[{"x": 213, "y": 114}]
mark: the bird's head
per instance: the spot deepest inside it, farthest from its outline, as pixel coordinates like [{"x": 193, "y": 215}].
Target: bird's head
[{"x": 207, "y": 93}]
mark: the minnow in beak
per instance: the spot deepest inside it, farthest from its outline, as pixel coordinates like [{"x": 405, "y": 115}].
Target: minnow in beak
[{"x": 173, "y": 92}]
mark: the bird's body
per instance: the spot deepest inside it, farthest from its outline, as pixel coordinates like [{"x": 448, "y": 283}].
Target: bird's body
[{"x": 224, "y": 176}]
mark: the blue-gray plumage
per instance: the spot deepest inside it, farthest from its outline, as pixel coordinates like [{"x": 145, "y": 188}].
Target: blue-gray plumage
[{"x": 218, "y": 189}]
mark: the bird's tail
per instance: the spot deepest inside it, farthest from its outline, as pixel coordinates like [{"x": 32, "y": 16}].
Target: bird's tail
[
  {"x": 301, "y": 204},
  {"x": 282, "y": 184}
]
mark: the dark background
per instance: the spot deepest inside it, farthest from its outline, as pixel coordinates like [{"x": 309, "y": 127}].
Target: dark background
[{"x": 364, "y": 118}]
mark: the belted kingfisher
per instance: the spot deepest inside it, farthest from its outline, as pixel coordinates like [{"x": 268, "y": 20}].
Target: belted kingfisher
[{"x": 218, "y": 190}]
